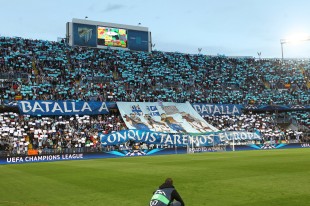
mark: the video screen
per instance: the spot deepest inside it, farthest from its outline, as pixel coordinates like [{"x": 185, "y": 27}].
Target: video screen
[
  {"x": 84, "y": 35},
  {"x": 113, "y": 37}
]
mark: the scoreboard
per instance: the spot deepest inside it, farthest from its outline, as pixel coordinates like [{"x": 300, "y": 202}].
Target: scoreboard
[{"x": 108, "y": 35}]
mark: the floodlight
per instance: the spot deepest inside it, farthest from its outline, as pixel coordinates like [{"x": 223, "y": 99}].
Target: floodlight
[{"x": 296, "y": 38}]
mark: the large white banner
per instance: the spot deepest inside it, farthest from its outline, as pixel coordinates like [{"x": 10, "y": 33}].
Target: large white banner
[{"x": 167, "y": 117}]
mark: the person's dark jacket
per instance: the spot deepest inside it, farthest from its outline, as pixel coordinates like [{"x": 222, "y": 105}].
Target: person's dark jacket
[{"x": 174, "y": 195}]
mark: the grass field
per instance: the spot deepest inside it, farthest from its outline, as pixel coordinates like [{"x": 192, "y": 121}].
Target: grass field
[{"x": 275, "y": 177}]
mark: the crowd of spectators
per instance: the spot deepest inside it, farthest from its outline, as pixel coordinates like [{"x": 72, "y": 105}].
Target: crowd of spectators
[
  {"x": 49, "y": 135},
  {"x": 265, "y": 124},
  {"x": 45, "y": 70},
  {"x": 72, "y": 134}
]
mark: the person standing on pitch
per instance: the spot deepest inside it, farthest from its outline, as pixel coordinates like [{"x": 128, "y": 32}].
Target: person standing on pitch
[{"x": 166, "y": 194}]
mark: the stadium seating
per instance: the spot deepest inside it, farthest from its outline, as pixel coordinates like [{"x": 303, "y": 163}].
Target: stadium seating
[
  {"x": 45, "y": 70},
  {"x": 49, "y": 70},
  {"x": 57, "y": 134}
]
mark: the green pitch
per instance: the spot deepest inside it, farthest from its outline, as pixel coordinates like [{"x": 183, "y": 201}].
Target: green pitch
[{"x": 251, "y": 178}]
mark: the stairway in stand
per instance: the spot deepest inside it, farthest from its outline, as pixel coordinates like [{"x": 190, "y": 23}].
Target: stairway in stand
[{"x": 305, "y": 77}]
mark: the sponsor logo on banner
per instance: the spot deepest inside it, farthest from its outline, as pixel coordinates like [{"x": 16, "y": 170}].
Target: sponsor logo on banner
[
  {"x": 43, "y": 158},
  {"x": 305, "y": 145}
]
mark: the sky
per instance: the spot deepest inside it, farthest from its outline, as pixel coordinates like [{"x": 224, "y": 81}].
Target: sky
[{"x": 218, "y": 27}]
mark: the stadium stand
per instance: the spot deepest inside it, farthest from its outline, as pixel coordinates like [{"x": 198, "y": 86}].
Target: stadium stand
[
  {"x": 50, "y": 70},
  {"x": 46, "y": 70},
  {"x": 52, "y": 135}
]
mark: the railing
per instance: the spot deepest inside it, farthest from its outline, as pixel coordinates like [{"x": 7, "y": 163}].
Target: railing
[
  {"x": 50, "y": 151},
  {"x": 14, "y": 75}
]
